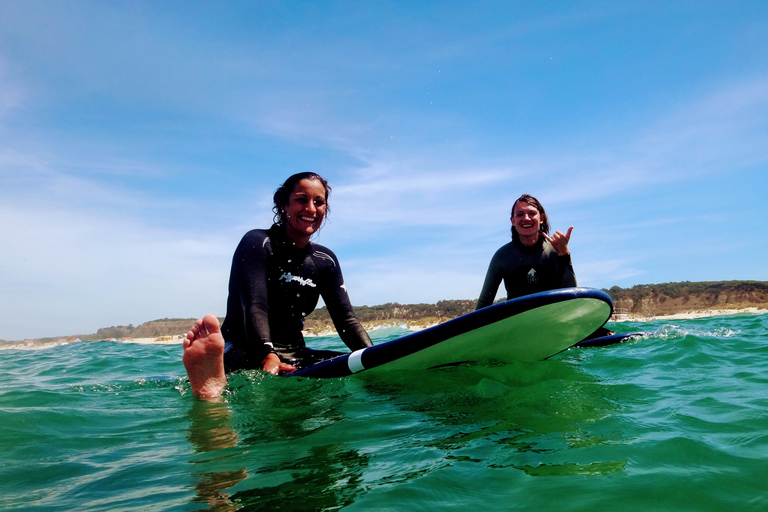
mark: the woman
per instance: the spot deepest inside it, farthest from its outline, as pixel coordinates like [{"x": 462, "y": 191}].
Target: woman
[
  {"x": 533, "y": 261},
  {"x": 276, "y": 280}
]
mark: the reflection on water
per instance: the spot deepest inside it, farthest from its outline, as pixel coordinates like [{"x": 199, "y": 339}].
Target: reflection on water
[
  {"x": 674, "y": 421},
  {"x": 273, "y": 415},
  {"x": 328, "y": 478},
  {"x": 303, "y": 444},
  {"x": 539, "y": 408},
  {"x": 573, "y": 469},
  {"x": 210, "y": 431}
]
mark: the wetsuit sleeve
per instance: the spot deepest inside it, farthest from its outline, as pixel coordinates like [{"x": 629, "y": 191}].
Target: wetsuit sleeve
[
  {"x": 491, "y": 284},
  {"x": 344, "y": 319},
  {"x": 565, "y": 271},
  {"x": 249, "y": 277}
]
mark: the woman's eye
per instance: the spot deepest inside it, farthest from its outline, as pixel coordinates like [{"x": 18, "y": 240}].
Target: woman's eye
[
  {"x": 301, "y": 200},
  {"x": 319, "y": 202}
]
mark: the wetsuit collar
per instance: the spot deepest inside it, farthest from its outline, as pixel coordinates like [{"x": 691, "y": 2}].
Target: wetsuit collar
[
  {"x": 525, "y": 249},
  {"x": 278, "y": 236}
]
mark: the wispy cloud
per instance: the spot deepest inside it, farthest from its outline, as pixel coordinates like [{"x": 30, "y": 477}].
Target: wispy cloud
[
  {"x": 72, "y": 270},
  {"x": 11, "y": 93},
  {"x": 139, "y": 143},
  {"x": 724, "y": 130},
  {"x": 472, "y": 203}
]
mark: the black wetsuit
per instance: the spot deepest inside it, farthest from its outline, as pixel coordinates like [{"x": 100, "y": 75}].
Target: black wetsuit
[
  {"x": 273, "y": 285},
  {"x": 526, "y": 270}
]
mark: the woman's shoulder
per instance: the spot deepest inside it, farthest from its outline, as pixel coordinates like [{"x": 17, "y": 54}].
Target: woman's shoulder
[
  {"x": 323, "y": 253},
  {"x": 256, "y": 234},
  {"x": 254, "y": 240},
  {"x": 507, "y": 248}
]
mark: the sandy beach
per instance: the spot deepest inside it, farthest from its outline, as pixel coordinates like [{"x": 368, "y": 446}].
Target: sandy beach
[
  {"x": 689, "y": 315},
  {"x": 24, "y": 345},
  {"x": 163, "y": 340}
]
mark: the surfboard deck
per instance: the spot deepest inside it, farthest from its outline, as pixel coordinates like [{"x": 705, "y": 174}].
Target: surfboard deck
[{"x": 530, "y": 328}]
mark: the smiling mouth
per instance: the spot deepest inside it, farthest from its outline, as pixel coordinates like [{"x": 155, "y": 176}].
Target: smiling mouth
[{"x": 307, "y": 219}]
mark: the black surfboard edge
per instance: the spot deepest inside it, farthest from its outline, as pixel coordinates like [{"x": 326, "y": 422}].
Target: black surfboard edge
[
  {"x": 612, "y": 339},
  {"x": 410, "y": 343}
]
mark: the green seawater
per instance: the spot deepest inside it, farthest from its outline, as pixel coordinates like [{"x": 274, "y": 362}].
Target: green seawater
[{"x": 674, "y": 421}]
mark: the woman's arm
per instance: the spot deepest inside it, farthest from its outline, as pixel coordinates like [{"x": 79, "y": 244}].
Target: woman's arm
[
  {"x": 339, "y": 306},
  {"x": 491, "y": 284},
  {"x": 248, "y": 280}
]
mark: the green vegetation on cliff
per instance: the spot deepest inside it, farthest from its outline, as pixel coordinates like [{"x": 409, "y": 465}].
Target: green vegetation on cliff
[
  {"x": 152, "y": 329},
  {"x": 687, "y": 289},
  {"x": 393, "y": 312}
]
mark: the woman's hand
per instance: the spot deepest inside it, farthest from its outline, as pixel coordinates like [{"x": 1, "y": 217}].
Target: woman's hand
[
  {"x": 274, "y": 365},
  {"x": 560, "y": 241}
]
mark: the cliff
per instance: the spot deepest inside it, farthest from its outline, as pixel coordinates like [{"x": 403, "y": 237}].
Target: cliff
[
  {"x": 639, "y": 301},
  {"x": 685, "y": 297}
]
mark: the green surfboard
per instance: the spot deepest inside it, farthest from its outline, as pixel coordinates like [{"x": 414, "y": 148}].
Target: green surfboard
[{"x": 529, "y": 328}]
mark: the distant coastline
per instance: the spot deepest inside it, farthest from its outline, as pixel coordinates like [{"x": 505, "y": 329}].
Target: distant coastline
[
  {"x": 412, "y": 326},
  {"x": 667, "y": 301},
  {"x": 633, "y": 317}
]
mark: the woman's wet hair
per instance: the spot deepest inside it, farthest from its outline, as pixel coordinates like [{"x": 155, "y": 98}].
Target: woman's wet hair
[
  {"x": 283, "y": 194},
  {"x": 529, "y": 199}
]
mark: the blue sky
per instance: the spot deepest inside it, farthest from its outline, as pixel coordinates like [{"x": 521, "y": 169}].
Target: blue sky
[{"x": 140, "y": 140}]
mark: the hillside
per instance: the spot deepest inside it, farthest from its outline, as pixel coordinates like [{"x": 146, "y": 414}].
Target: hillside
[
  {"x": 392, "y": 314},
  {"x": 676, "y": 298},
  {"x": 153, "y": 329},
  {"x": 639, "y": 301}
]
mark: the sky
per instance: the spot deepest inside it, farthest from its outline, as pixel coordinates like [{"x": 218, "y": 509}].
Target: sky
[{"x": 139, "y": 140}]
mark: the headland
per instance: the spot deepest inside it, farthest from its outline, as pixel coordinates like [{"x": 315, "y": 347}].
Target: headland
[{"x": 667, "y": 301}]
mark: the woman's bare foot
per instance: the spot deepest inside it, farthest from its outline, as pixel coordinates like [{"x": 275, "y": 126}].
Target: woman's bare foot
[{"x": 204, "y": 358}]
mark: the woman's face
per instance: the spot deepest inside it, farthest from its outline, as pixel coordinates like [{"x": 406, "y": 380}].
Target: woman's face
[
  {"x": 526, "y": 219},
  {"x": 305, "y": 211}
]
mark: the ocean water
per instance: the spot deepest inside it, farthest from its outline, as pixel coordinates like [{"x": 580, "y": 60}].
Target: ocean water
[{"x": 674, "y": 421}]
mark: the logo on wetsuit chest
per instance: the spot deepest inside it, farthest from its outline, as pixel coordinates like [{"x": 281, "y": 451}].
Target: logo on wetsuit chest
[
  {"x": 533, "y": 278},
  {"x": 288, "y": 277}
]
